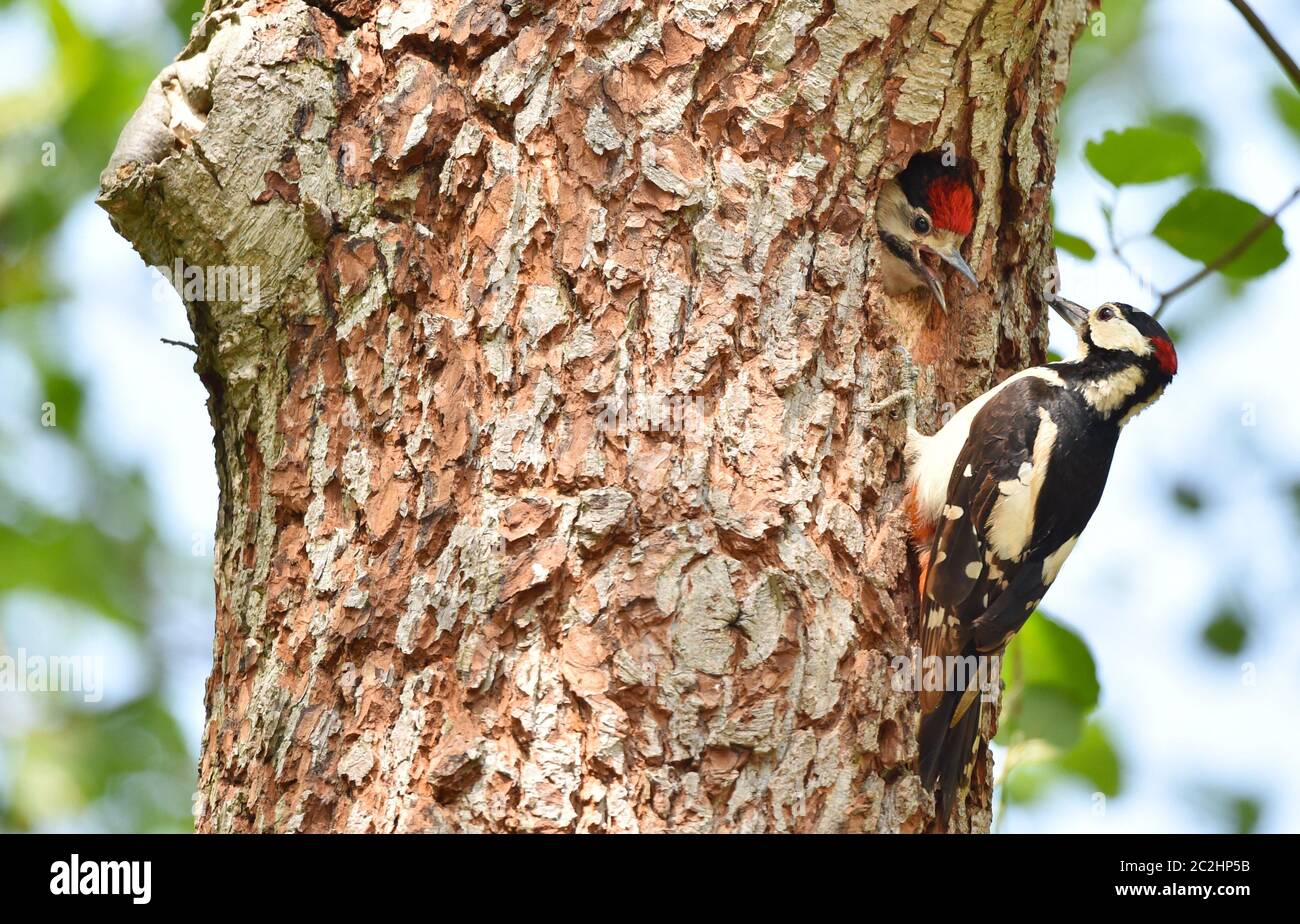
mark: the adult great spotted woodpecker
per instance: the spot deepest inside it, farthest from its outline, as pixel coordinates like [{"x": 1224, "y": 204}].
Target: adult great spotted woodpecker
[
  {"x": 998, "y": 498},
  {"x": 923, "y": 215}
]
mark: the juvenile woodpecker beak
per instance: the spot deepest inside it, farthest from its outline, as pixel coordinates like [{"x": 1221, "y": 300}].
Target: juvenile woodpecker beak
[
  {"x": 953, "y": 259},
  {"x": 1074, "y": 314}
]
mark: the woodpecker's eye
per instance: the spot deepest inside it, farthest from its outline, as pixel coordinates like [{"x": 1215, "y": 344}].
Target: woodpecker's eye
[
  {"x": 1105, "y": 314},
  {"x": 920, "y": 224}
]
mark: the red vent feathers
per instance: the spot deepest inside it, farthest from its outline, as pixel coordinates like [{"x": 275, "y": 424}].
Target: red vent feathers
[
  {"x": 1166, "y": 356},
  {"x": 952, "y": 205}
]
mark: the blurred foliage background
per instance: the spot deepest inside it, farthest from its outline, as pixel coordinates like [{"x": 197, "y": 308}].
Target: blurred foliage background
[
  {"x": 84, "y": 567},
  {"x": 97, "y": 558},
  {"x": 1156, "y": 152}
]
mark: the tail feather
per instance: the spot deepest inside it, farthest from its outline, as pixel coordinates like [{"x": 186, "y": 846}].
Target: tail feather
[{"x": 948, "y": 751}]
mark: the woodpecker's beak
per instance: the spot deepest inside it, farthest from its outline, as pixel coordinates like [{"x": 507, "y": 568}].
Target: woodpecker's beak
[
  {"x": 1075, "y": 315},
  {"x": 953, "y": 259}
]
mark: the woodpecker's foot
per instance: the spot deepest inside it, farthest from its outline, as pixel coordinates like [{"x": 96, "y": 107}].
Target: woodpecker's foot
[
  {"x": 900, "y": 399},
  {"x": 901, "y": 403}
]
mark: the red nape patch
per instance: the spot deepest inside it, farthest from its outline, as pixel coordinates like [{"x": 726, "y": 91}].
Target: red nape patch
[
  {"x": 1166, "y": 356},
  {"x": 952, "y": 205}
]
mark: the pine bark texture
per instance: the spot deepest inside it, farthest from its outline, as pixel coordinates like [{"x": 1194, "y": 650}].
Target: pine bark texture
[{"x": 559, "y": 491}]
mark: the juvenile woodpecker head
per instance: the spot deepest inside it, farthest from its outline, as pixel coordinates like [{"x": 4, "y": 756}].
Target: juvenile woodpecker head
[
  {"x": 1125, "y": 357},
  {"x": 923, "y": 215}
]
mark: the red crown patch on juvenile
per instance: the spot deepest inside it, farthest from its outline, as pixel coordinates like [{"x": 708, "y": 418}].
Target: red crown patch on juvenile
[
  {"x": 1166, "y": 356},
  {"x": 952, "y": 205}
]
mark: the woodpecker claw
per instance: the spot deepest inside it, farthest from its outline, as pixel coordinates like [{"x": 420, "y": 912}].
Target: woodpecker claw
[{"x": 906, "y": 395}]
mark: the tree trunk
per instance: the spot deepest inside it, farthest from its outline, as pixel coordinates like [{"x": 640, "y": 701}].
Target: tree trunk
[{"x": 559, "y": 491}]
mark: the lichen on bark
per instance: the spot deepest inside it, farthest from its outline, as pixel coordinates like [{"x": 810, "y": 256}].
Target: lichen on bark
[{"x": 556, "y": 492}]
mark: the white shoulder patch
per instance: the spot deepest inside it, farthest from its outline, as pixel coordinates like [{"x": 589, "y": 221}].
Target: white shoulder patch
[
  {"x": 931, "y": 459},
  {"x": 1011, "y": 522},
  {"x": 1052, "y": 563}
]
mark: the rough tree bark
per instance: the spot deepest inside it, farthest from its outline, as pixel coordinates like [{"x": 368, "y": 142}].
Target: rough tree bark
[{"x": 556, "y": 488}]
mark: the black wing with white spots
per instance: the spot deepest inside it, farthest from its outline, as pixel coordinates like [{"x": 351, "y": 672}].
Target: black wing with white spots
[{"x": 1024, "y": 486}]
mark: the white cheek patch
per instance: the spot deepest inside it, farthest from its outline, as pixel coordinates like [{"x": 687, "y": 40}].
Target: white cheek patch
[
  {"x": 894, "y": 205},
  {"x": 1118, "y": 334}
]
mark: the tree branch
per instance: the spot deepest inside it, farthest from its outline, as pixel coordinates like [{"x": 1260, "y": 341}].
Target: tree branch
[
  {"x": 1284, "y": 59},
  {"x": 1232, "y": 253},
  {"x": 1115, "y": 246},
  {"x": 1236, "y": 250}
]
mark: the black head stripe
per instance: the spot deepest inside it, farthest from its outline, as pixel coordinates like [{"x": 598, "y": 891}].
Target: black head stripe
[
  {"x": 898, "y": 247},
  {"x": 921, "y": 171}
]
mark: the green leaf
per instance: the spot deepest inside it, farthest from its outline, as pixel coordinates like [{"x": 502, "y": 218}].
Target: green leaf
[
  {"x": 1108, "y": 33},
  {"x": 75, "y": 560},
  {"x": 1142, "y": 155},
  {"x": 1286, "y": 103},
  {"x": 1206, "y": 223},
  {"x": 1095, "y": 760},
  {"x": 1180, "y": 122},
  {"x": 1046, "y": 653},
  {"x": 1049, "y": 714},
  {"x": 1051, "y": 681},
  {"x": 64, "y": 396},
  {"x": 1235, "y": 811},
  {"x": 131, "y": 760},
  {"x": 1244, "y": 813},
  {"x": 1073, "y": 245},
  {"x": 1188, "y": 497},
  {"x": 1189, "y": 125},
  {"x": 1029, "y": 781},
  {"x": 1227, "y": 632}
]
